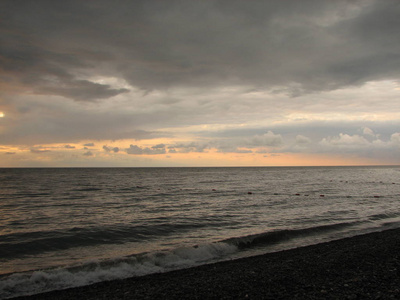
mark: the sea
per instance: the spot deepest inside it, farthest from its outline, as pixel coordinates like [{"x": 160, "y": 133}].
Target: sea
[{"x": 68, "y": 227}]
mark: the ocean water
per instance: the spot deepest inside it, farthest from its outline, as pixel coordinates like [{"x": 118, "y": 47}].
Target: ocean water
[{"x": 64, "y": 227}]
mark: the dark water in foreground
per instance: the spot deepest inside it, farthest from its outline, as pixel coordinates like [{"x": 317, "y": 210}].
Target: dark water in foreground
[{"x": 69, "y": 227}]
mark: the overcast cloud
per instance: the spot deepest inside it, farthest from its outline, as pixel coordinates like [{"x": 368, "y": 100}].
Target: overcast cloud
[{"x": 239, "y": 77}]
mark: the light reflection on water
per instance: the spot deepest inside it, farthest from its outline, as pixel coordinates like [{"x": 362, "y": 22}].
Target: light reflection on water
[{"x": 64, "y": 216}]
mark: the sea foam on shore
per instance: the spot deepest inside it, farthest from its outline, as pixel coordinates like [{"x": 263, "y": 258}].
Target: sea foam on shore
[{"x": 360, "y": 267}]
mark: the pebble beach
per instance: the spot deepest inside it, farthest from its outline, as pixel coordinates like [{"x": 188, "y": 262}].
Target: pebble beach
[{"x": 360, "y": 267}]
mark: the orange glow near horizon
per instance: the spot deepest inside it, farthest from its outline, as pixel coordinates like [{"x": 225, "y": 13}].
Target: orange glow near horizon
[
  {"x": 88, "y": 154},
  {"x": 210, "y": 159}
]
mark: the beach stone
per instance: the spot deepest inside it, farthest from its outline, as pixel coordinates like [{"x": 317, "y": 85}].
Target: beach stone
[{"x": 361, "y": 267}]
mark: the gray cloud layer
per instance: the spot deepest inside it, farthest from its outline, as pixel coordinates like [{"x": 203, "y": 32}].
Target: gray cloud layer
[
  {"x": 48, "y": 47},
  {"x": 100, "y": 70}
]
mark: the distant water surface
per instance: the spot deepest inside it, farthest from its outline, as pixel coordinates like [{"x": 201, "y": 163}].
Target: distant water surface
[{"x": 69, "y": 227}]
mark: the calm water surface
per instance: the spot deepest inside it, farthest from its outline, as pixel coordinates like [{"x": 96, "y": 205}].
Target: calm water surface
[{"x": 70, "y": 227}]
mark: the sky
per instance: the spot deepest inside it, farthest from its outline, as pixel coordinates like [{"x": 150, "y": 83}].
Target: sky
[{"x": 199, "y": 83}]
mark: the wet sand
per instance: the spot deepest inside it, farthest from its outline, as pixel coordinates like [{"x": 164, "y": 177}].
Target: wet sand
[{"x": 361, "y": 267}]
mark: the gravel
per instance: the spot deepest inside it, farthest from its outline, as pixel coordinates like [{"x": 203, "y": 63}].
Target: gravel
[{"x": 361, "y": 267}]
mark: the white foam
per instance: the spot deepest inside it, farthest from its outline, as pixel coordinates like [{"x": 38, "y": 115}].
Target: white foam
[{"x": 119, "y": 268}]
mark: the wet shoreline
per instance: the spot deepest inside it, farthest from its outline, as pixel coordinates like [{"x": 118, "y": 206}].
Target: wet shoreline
[{"x": 361, "y": 267}]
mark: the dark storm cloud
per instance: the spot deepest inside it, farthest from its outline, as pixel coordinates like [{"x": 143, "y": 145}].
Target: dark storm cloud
[
  {"x": 209, "y": 75},
  {"x": 32, "y": 64},
  {"x": 52, "y": 47}
]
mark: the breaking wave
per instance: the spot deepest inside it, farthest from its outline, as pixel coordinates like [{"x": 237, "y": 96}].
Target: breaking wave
[{"x": 38, "y": 281}]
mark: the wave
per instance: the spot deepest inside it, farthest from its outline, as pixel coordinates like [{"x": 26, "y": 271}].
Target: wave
[
  {"x": 27, "y": 243},
  {"x": 384, "y": 216},
  {"x": 33, "y": 282},
  {"x": 28, "y": 283},
  {"x": 277, "y": 236}
]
